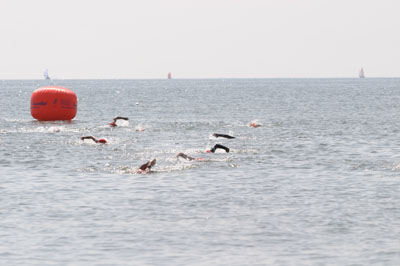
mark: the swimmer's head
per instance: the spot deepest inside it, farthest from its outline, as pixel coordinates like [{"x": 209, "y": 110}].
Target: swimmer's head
[
  {"x": 103, "y": 141},
  {"x": 113, "y": 124},
  {"x": 252, "y": 124}
]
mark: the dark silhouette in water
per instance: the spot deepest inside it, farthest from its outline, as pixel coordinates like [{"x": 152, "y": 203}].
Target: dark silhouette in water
[
  {"x": 218, "y": 146},
  {"x": 103, "y": 141},
  {"x": 187, "y": 157},
  {"x": 146, "y": 167},
  {"x": 222, "y": 136},
  {"x": 114, "y": 122}
]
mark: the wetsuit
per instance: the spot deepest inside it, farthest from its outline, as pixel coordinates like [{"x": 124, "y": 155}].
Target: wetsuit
[
  {"x": 219, "y": 146},
  {"x": 222, "y": 136},
  {"x": 103, "y": 141},
  {"x": 184, "y": 156},
  {"x": 114, "y": 122},
  {"x": 147, "y": 165}
]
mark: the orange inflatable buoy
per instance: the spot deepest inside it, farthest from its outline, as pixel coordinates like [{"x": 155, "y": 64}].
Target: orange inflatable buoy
[{"x": 53, "y": 103}]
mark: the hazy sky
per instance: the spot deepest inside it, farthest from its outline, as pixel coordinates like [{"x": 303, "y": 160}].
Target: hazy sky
[{"x": 199, "y": 39}]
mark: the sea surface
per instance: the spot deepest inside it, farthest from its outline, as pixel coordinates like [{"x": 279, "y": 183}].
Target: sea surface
[{"x": 318, "y": 183}]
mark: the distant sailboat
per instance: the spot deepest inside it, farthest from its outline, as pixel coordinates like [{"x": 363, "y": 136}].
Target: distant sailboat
[
  {"x": 361, "y": 74},
  {"x": 46, "y": 74},
  {"x": 169, "y": 75}
]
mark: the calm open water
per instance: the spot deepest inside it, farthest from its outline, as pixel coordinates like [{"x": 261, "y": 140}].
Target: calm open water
[{"x": 317, "y": 184}]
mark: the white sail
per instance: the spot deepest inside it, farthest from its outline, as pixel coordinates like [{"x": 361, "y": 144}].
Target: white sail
[
  {"x": 361, "y": 74},
  {"x": 46, "y": 74}
]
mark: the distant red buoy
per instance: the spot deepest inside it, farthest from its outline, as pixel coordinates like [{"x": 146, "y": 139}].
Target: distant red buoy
[{"x": 53, "y": 103}]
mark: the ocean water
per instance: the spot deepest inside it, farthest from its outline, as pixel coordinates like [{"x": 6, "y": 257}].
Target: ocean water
[{"x": 317, "y": 184}]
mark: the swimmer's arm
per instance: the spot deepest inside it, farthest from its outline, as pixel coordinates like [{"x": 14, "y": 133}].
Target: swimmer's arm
[
  {"x": 145, "y": 166},
  {"x": 184, "y": 156},
  {"x": 120, "y": 117},
  {"x": 90, "y": 137},
  {"x": 223, "y": 136},
  {"x": 219, "y": 146}
]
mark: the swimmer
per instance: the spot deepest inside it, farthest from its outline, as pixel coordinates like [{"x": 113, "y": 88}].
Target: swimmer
[
  {"x": 114, "y": 122},
  {"x": 103, "y": 141},
  {"x": 146, "y": 167},
  {"x": 253, "y": 124},
  {"x": 222, "y": 136},
  {"x": 218, "y": 146},
  {"x": 187, "y": 157}
]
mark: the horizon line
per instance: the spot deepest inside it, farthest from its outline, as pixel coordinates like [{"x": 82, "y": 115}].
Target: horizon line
[{"x": 203, "y": 78}]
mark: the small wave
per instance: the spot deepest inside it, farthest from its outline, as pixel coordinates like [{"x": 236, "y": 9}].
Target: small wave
[
  {"x": 395, "y": 167},
  {"x": 124, "y": 170},
  {"x": 87, "y": 170},
  {"x": 122, "y": 123},
  {"x": 244, "y": 151},
  {"x": 175, "y": 168},
  {"x": 141, "y": 127},
  {"x": 55, "y": 129},
  {"x": 43, "y": 129},
  {"x": 379, "y": 165},
  {"x": 15, "y": 120}
]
